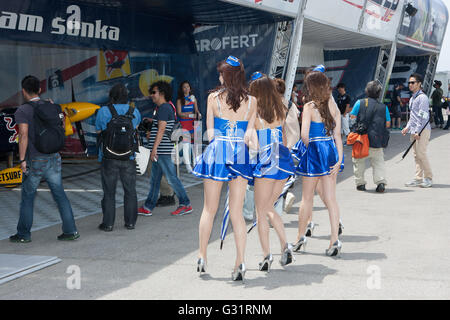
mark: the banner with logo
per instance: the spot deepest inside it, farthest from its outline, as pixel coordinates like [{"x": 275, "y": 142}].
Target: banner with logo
[
  {"x": 88, "y": 74},
  {"x": 427, "y": 27},
  {"x": 252, "y": 44},
  {"x": 84, "y": 25},
  {"x": 355, "y": 68}
]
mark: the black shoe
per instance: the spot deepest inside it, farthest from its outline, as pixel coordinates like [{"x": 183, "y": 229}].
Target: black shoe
[
  {"x": 380, "y": 188},
  {"x": 361, "y": 187},
  {"x": 129, "y": 226},
  {"x": 165, "y": 201},
  {"x": 105, "y": 228},
  {"x": 18, "y": 239},
  {"x": 445, "y": 128},
  {"x": 68, "y": 236}
]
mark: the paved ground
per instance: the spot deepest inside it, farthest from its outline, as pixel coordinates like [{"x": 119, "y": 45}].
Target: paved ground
[{"x": 395, "y": 246}]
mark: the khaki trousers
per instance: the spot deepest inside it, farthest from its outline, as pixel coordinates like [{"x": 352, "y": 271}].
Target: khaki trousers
[
  {"x": 376, "y": 157},
  {"x": 423, "y": 168},
  {"x": 164, "y": 189}
]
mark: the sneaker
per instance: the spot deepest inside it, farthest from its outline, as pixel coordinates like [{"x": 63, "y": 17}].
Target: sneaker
[
  {"x": 427, "y": 183},
  {"x": 381, "y": 188},
  {"x": 142, "y": 211},
  {"x": 18, "y": 239},
  {"x": 68, "y": 236},
  {"x": 290, "y": 198},
  {"x": 182, "y": 210},
  {"x": 413, "y": 183},
  {"x": 165, "y": 201},
  {"x": 361, "y": 187}
]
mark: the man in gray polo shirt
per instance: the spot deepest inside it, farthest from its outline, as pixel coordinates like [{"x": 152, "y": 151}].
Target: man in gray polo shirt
[{"x": 419, "y": 106}]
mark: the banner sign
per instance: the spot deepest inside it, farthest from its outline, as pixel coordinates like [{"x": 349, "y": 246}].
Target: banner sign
[
  {"x": 253, "y": 44},
  {"x": 91, "y": 26},
  {"x": 87, "y": 73},
  {"x": 427, "y": 26},
  {"x": 381, "y": 17},
  {"x": 355, "y": 68}
]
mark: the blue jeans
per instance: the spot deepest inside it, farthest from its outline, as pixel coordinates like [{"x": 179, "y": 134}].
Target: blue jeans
[
  {"x": 165, "y": 166},
  {"x": 50, "y": 169}
]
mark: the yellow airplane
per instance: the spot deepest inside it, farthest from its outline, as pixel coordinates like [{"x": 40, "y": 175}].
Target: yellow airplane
[{"x": 74, "y": 113}]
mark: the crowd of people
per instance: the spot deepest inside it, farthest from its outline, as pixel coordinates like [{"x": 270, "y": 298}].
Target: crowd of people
[{"x": 256, "y": 137}]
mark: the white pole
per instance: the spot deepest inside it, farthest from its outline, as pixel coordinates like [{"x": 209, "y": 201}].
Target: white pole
[{"x": 294, "y": 55}]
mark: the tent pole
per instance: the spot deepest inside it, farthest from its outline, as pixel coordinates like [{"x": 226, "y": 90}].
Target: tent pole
[{"x": 294, "y": 53}]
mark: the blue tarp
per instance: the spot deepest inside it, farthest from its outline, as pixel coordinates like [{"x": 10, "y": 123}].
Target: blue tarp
[{"x": 140, "y": 25}]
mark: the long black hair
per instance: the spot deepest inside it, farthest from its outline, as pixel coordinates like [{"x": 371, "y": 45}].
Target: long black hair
[{"x": 180, "y": 95}]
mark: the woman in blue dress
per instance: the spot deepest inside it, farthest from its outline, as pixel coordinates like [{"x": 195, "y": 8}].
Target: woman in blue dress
[
  {"x": 273, "y": 167},
  {"x": 320, "y": 154},
  {"x": 230, "y": 110}
]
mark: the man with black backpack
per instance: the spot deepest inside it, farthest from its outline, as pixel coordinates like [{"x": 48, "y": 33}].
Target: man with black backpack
[
  {"x": 41, "y": 137},
  {"x": 116, "y": 125},
  {"x": 161, "y": 143},
  {"x": 373, "y": 119}
]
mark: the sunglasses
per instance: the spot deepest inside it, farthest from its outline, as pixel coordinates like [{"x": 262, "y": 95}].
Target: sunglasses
[
  {"x": 153, "y": 92},
  {"x": 412, "y": 82}
]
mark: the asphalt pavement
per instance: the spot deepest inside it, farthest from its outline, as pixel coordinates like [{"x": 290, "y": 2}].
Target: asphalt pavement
[{"x": 395, "y": 246}]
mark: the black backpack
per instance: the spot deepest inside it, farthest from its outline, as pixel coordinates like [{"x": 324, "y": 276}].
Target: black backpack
[
  {"x": 118, "y": 139},
  {"x": 49, "y": 131}
]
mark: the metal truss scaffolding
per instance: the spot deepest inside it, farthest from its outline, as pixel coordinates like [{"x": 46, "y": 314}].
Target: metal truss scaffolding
[
  {"x": 385, "y": 65},
  {"x": 430, "y": 73},
  {"x": 280, "y": 51}
]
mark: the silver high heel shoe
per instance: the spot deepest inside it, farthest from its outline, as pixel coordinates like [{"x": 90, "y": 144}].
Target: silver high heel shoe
[
  {"x": 266, "y": 263},
  {"x": 335, "y": 249},
  {"x": 287, "y": 257},
  {"x": 310, "y": 229},
  {"x": 302, "y": 242},
  {"x": 201, "y": 266},
  {"x": 341, "y": 226},
  {"x": 239, "y": 274}
]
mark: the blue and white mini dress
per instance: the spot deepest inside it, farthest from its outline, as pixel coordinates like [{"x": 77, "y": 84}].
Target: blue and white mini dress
[
  {"x": 274, "y": 161},
  {"x": 227, "y": 156},
  {"x": 321, "y": 154}
]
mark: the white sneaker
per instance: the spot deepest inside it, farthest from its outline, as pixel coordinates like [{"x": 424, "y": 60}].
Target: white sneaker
[
  {"x": 413, "y": 183},
  {"x": 427, "y": 183},
  {"x": 290, "y": 198}
]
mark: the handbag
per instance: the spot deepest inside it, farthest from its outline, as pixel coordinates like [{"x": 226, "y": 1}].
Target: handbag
[{"x": 358, "y": 136}]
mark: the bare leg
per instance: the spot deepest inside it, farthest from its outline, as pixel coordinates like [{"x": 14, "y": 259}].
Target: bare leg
[
  {"x": 329, "y": 198},
  {"x": 268, "y": 189},
  {"x": 305, "y": 211},
  {"x": 236, "y": 202},
  {"x": 211, "y": 192}
]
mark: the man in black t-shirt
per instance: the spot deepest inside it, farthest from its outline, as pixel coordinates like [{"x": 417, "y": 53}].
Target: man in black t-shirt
[
  {"x": 161, "y": 156},
  {"x": 343, "y": 103},
  {"x": 396, "y": 105},
  {"x": 35, "y": 166}
]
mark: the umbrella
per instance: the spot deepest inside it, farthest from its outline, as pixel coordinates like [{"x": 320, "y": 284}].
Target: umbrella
[
  {"x": 412, "y": 143},
  {"x": 225, "y": 220},
  {"x": 286, "y": 187}
]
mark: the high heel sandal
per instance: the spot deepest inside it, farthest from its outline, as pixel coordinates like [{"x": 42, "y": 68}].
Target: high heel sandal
[
  {"x": 310, "y": 229},
  {"x": 201, "y": 266},
  {"x": 287, "y": 257},
  {"x": 266, "y": 263},
  {"x": 341, "y": 226},
  {"x": 239, "y": 274},
  {"x": 335, "y": 249},
  {"x": 302, "y": 242}
]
